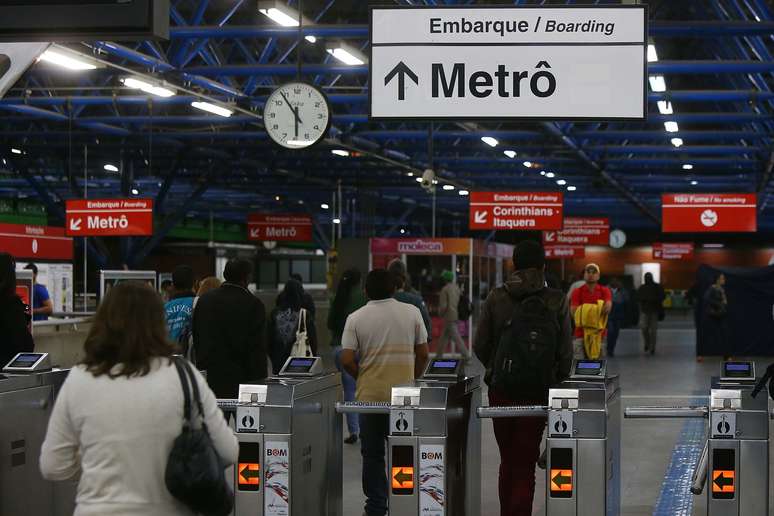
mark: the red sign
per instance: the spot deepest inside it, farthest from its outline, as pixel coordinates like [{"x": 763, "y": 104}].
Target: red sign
[
  {"x": 395, "y": 246},
  {"x": 673, "y": 251},
  {"x": 36, "y": 242},
  {"x": 719, "y": 212},
  {"x": 109, "y": 217},
  {"x": 556, "y": 252},
  {"x": 282, "y": 227},
  {"x": 580, "y": 231},
  {"x": 516, "y": 210}
]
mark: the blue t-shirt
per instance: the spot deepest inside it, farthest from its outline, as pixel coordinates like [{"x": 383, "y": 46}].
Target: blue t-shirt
[
  {"x": 179, "y": 314},
  {"x": 39, "y": 296}
]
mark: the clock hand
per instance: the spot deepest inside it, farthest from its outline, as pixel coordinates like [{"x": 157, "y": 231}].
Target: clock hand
[
  {"x": 295, "y": 112},
  {"x": 292, "y": 109}
]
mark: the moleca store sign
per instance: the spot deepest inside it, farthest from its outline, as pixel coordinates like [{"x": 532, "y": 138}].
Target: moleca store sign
[{"x": 509, "y": 62}]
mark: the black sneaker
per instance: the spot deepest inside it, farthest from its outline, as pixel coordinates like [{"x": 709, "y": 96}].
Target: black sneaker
[{"x": 352, "y": 439}]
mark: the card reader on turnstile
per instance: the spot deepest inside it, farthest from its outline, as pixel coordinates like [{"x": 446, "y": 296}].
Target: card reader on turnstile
[
  {"x": 444, "y": 369},
  {"x": 290, "y": 457},
  {"x": 28, "y": 363}
]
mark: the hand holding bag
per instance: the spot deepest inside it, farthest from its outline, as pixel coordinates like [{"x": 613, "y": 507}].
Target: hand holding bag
[
  {"x": 194, "y": 473},
  {"x": 301, "y": 346}
]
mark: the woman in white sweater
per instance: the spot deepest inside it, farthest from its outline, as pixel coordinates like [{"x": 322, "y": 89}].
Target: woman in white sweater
[{"x": 119, "y": 411}]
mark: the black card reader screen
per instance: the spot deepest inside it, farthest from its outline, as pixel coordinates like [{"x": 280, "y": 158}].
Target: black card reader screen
[
  {"x": 588, "y": 367},
  {"x": 443, "y": 366},
  {"x": 737, "y": 369},
  {"x": 299, "y": 365},
  {"x": 25, "y": 360}
]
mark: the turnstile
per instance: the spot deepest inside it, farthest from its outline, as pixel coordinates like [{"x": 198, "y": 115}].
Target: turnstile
[
  {"x": 434, "y": 443},
  {"x": 290, "y": 443},
  {"x": 26, "y": 402},
  {"x": 583, "y": 444},
  {"x": 735, "y": 459}
]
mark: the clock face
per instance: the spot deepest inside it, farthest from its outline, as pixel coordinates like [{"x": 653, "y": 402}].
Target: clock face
[
  {"x": 617, "y": 238},
  {"x": 297, "y": 115}
]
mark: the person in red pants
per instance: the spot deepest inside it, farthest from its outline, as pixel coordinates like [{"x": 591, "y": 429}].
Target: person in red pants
[{"x": 523, "y": 318}]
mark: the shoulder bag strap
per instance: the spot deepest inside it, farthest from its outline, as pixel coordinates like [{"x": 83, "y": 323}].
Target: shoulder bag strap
[
  {"x": 302, "y": 320},
  {"x": 196, "y": 395},
  {"x": 186, "y": 391}
]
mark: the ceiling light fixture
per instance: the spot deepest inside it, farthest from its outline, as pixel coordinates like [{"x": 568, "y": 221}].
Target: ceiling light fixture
[
  {"x": 448, "y": 188},
  {"x": 410, "y": 174},
  {"x": 419, "y": 180},
  {"x": 213, "y": 108},
  {"x": 463, "y": 193},
  {"x": 311, "y": 39},
  {"x": 687, "y": 166},
  {"x": 550, "y": 175},
  {"x": 694, "y": 182},
  {"x": 402, "y": 231},
  {"x": 561, "y": 182},
  {"x": 279, "y": 12},
  {"x": 657, "y": 83},
  {"x": 276, "y": 197},
  {"x": 664, "y": 107},
  {"x": 16, "y": 151},
  {"x": 346, "y": 53},
  {"x": 571, "y": 188},
  {"x": 527, "y": 164},
  {"x": 652, "y": 55},
  {"x": 677, "y": 142},
  {"x": 543, "y": 172},
  {"x": 324, "y": 206},
  {"x": 67, "y": 59},
  {"x": 671, "y": 126},
  {"x": 340, "y": 152},
  {"x": 511, "y": 154},
  {"x": 110, "y": 168},
  {"x": 337, "y": 220},
  {"x": 147, "y": 87},
  {"x": 492, "y": 142},
  {"x": 135, "y": 191}
]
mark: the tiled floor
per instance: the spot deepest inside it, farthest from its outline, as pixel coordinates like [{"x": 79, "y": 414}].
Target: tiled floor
[{"x": 672, "y": 377}]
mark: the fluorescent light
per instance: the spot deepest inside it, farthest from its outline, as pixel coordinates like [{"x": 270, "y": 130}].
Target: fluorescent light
[
  {"x": 277, "y": 16},
  {"x": 561, "y": 182},
  {"x": 448, "y": 187},
  {"x": 419, "y": 180},
  {"x": 550, "y": 175},
  {"x": 71, "y": 61},
  {"x": 110, "y": 168},
  {"x": 410, "y": 174},
  {"x": 492, "y": 142},
  {"x": 652, "y": 55},
  {"x": 213, "y": 108},
  {"x": 324, "y": 206},
  {"x": 694, "y": 183},
  {"x": 346, "y": 53},
  {"x": 16, "y": 151},
  {"x": 511, "y": 154},
  {"x": 337, "y": 220},
  {"x": 340, "y": 152},
  {"x": 135, "y": 191},
  {"x": 402, "y": 231},
  {"x": 276, "y": 197},
  {"x": 527, "y": 164},
  {"x": 671, "y": 126},
  {"x": 542, "y": 172},
  {"x": 463, "y": 193},
  {"x": 664, "y": 107},
  {"x": 677, "y": 142},
  {"x": 571, "y": 188},
  {"x": 657, "y": 83},
  {"x": 311, "y": 39},
  {"x": 687, "y": 166},
  {"x": 147, "y": 87}
]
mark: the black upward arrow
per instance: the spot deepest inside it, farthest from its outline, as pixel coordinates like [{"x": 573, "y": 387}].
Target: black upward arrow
[{"x": 401, "y": 70}]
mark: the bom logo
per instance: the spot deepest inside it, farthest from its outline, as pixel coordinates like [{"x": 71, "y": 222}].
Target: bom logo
[
  {"x": 276, "y": 453},
  {"x": 432, "y": 455}
]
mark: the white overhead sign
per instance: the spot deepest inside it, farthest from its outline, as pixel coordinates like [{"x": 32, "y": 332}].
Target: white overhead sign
[{"x": 506, "y": 62}]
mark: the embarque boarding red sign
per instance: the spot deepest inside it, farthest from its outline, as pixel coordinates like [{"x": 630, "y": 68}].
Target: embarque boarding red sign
[
  {"x": 580, "y": 231},
  {"x": 556, "y": 252},
  {"x": 713, "y": 212},
  {"x": 109, "y": 217},
  {"x": 41, "y": 242},
  {"x": 516, "y": 210},
  {"x": 285, "y": 227},
  {"x": 673, "y": 251}
]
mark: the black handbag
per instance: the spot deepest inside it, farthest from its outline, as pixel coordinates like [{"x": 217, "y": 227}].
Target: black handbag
[{"x": 194, "y": 473}]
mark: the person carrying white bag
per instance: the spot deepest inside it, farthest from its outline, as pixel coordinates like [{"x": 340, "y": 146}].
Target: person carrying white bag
[{"x": 291, "y": 328}]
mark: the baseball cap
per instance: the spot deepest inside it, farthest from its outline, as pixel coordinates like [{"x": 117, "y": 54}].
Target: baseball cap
[{"x": 592, "y": 266}]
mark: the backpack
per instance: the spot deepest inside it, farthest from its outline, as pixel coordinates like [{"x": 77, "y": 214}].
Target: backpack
[
  {"x": 525, "y": 360},
  {"x": 463, "y": 308}
]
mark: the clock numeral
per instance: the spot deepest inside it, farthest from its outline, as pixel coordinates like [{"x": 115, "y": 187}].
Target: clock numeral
[
  {"x": 317, "y": 127},
  {"x": 277, "y": 102},
  {"x": 272, "y": 115},
  {"x": 297, "y": 91},
  {"x": 320, "y": 116},
  {"x": 317, "y": 104},
  {"x": 306, "y": 136},
  {"x": 284, "y": 135},
  {"x": 275, "y": 126}
]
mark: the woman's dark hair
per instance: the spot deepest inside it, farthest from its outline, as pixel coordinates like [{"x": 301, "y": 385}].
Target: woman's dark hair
[
  {"x": 349, "y": 281},
  {"x": 129, "y": 330},
  {"x": 528, "y": 254},
  {"x": 7, "y": 275},
  {"x": 380, "y": 284},
  {"x": 291, "y": 296}
]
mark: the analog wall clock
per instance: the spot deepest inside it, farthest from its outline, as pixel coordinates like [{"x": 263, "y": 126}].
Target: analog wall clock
[{"x": 297, "y": 115}]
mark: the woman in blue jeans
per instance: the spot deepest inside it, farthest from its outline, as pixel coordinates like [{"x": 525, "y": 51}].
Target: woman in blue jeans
[{"x": 349, "y": 298}]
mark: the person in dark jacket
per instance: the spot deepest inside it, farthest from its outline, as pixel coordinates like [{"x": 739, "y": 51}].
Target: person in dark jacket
[
  {"x": 14, "y": 319},
  {"x": 405, "y": 294},
  {"x": 519, "y": 438},
  {"x": 715, "y": 324},
  {"x": 615, "y": 320},
  {"x": 284, "y": 323},
  {"x": 651, "y": 296},
  {"x": 307, "y": 299},
  {"x": 349, "y": 298},
  {"x": 228, "y": 326}
]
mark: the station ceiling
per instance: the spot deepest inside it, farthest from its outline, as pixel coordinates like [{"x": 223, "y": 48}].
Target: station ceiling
[{"x": 715, "y": 57}]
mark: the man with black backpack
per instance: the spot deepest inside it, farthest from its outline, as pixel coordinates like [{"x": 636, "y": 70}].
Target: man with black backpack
[{"x": 524, "y": 340}]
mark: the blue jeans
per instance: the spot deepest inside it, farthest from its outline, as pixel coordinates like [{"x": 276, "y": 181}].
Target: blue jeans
[
  {"x": 373, "y": 434},
  {"x": 348, "y": 383}
]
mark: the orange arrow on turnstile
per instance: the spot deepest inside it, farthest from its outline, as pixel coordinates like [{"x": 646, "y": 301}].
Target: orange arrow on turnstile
[
  {"x": 249, "y": 473},
  {"x": 723, "y": 481},
  {"x": 561, "y": 480}
]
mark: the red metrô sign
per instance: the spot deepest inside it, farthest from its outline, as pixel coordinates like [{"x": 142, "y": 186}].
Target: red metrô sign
[
  {"x": 712, "y": 212},
  {"x": 673, "y": 251},
  {"x": 109, "y": 217},
  {"x": 580, "y": 231},
  {"x": 35, "y": 242},
  {"x": 516, "y": 210},
  {"x": 280, "y": 227},
  {"x": 556, "y": 252}
]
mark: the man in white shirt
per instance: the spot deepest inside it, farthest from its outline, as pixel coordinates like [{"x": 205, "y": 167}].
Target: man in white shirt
[{"x": 391, "y": 341}]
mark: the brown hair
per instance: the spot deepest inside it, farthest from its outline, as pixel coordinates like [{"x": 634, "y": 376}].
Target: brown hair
[
  {"x": 207, "y": 284},
  {"x": 129, "y": 330}
]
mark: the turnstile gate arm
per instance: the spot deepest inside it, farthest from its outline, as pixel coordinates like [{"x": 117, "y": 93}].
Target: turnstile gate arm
[
  {"x": 516, "y": 411},
  {"x": 665, "y": 412},
  {"x": 699, "y": 478},
  {"x": 362, "y": 407}
]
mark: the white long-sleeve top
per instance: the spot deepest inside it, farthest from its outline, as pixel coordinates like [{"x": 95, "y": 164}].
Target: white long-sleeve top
[{"x": 118, "y": 432}]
